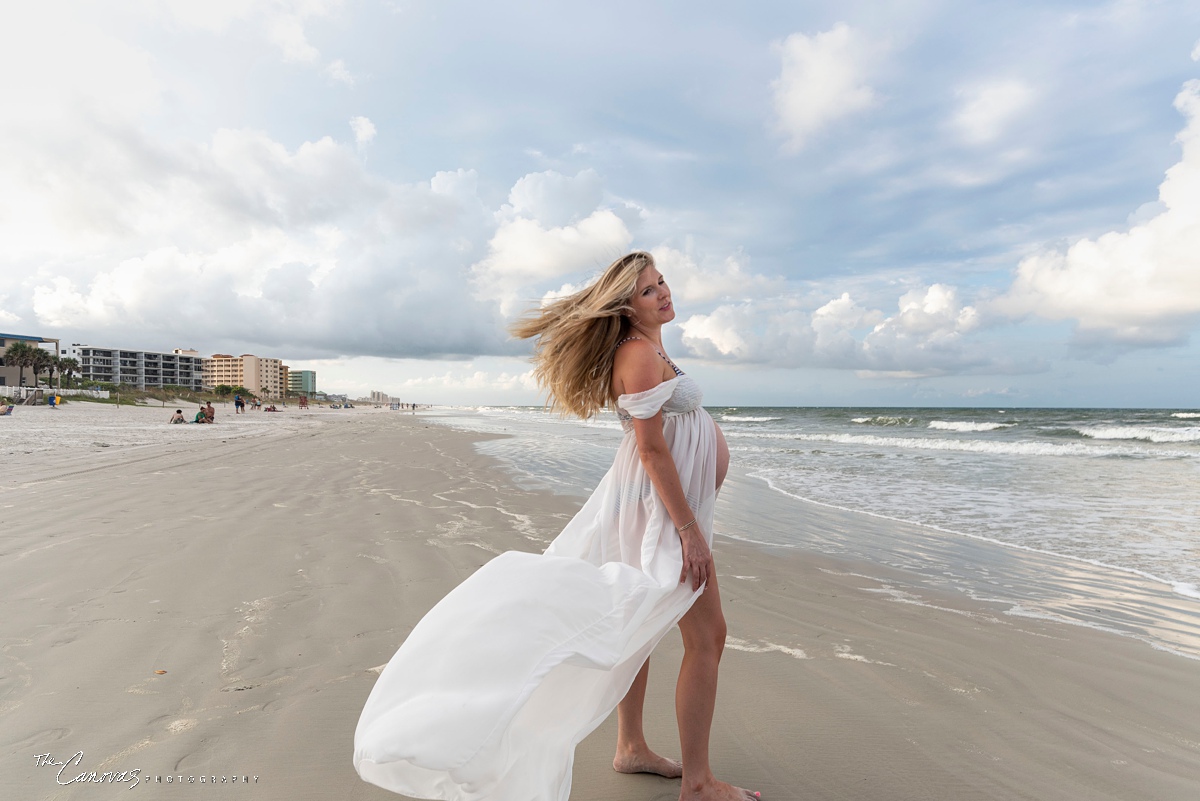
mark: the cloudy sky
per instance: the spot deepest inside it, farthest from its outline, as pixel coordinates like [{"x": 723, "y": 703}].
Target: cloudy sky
[{"x": 929, "y": 202}]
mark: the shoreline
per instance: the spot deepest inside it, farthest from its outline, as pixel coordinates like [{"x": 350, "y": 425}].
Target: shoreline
[
  {"x": 270, "y": 597},
  {"x": 1021, "y": 579},
  {"x": 1084, "y": 593}
]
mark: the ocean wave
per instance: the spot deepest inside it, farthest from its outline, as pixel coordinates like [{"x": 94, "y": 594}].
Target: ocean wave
[
  {"x": 1020, "y": 448},
  {"x": 970, "y": 446},
  {"x": 730, "y": 418},
  {"x": 884, "y": 421},
  {"x": 1144, "y": 433},
  {"x": 1186, "y": 415},
  {"x": 957, "y": 425}
]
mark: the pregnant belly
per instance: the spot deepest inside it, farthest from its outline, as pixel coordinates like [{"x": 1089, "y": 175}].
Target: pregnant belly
[{"x": 722, "y": 456}]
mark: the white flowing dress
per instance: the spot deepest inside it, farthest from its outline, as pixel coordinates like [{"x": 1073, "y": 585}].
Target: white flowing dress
[{"x": 497, "y": 684}]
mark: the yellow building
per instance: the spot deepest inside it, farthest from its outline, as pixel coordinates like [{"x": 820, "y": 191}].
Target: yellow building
[{"x": 258, "y": 374}]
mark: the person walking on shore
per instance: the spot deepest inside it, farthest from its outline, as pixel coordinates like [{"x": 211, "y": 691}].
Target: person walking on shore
[{"x": 497, "y": 684}]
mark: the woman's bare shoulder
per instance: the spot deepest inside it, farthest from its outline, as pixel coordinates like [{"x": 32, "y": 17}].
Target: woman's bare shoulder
[
  {"x": 637, "y": 367},
  {"x": 635, "y": 348}
]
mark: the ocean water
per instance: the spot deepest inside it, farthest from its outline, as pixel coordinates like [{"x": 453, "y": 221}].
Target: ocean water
[{"x": 1086, "y": 515}]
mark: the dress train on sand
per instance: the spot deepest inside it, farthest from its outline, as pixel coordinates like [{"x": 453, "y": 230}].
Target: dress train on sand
[{"x": 493, "y": 689}]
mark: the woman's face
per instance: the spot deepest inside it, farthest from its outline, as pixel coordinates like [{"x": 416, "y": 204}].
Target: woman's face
[{"x": 651, "y": 301}]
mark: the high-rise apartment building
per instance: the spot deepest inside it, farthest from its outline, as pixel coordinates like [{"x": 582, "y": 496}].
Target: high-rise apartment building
[
  {"x": 222, "y": 369},
  {"x": 302, "y": 382},
  {"x": 258, "y": 374},
  {"x": 140, "y": 368}
]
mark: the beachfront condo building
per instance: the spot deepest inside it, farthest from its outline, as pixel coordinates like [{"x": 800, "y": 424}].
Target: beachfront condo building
[
  {"x": 302, "y": 382},
  {"x": 284, "y": 374},
  {"x": 258, "y": 374},
  {"x": 10, "y": 374},
  {"x": 143, "y": 369}
]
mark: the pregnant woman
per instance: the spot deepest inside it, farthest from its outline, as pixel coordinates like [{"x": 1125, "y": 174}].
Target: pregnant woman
[{"x": 494, "y": 688}]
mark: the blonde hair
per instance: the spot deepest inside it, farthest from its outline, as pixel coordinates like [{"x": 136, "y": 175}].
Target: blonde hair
[{"x": 577, "y": 338}]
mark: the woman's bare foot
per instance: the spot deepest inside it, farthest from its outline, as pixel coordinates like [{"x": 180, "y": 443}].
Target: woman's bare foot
[
  {"x": 713, "y": 790},
  {"x": 646, "y": 761}
]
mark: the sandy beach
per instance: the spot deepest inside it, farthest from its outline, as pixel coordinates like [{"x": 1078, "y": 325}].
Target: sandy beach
[{"x": 218, "y": 605}]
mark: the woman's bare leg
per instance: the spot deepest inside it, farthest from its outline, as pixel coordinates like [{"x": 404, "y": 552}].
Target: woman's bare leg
[
  {"x": 698, "y": 675},
  {"x": 633, "y": 753},
  {"x": 703, "y": 629}
]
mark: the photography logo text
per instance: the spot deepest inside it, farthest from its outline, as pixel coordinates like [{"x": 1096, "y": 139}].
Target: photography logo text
[{"x": 71, "y": 771}]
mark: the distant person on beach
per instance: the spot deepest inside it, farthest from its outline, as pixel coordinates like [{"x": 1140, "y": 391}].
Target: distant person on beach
[
  {"x": 239, "y": 405},
  {"x": 210, "y": 414},
  {"x": 494, "y": 687},
  {"x": 200, "y": 417},
  {"x": 178, "y": 417}
]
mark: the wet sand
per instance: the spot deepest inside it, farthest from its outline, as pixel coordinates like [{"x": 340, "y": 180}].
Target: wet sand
[{"x": 271, "y": 576}]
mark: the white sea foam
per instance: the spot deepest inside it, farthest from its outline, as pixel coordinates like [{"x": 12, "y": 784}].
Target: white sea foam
[
  {"x": 959, "y": 425},
  {"x": 1186, "y": 415},
  {"x": 1144, "y": 433},
  {"x": 883, "y": 421},
  {"x": 1186, "y": 589},
  {"x": 844, "y": 652},
  {"x": 1025, "y": 448},
  {"x": 740, "y": 419},
  {"x": 762, "y": 647}
]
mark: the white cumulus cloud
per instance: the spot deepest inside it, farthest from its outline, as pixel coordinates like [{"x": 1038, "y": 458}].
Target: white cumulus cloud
[
  {"x": 555, "y": 199},
  {"x": 693, "y": 283},
  {"x": 925, "y": 336},
  {"x": 524, "y": 254},
  {"x": 337, "y": 71},
  {"x": 550, "y": 228},
  {"x": 822, "y": 80},
  {"x": 281, "y": 21},
  {"x": 364, "y": 130},
  {"x": 1134, "y": 287},
  {"x": 241, "y": 239},
  {"x": 987, "y": 110}
]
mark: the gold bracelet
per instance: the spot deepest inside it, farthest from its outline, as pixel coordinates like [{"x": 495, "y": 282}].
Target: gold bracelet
[{"x": 686, "y": 527}]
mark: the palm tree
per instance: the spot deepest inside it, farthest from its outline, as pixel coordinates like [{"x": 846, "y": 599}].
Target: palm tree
[
  {"x": 41, "y": 361},
  {"x": 68, "y": 367},
  {"x": 18, "y": 355},
  {"x": 52, "y": 367}
]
